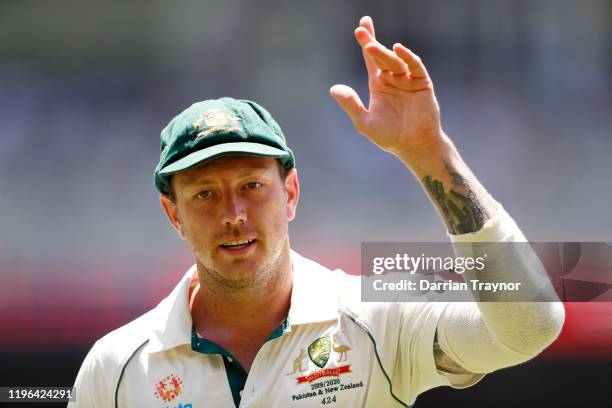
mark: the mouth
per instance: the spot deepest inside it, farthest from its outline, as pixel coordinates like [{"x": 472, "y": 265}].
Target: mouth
[{"x": 238, "y": 246}]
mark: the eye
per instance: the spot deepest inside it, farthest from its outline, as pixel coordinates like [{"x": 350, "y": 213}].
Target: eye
[
  {"x": 204, "y": 194},
  {"x": 253, "y": 185}
]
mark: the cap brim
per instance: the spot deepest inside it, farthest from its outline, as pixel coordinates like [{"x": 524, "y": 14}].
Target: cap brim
[{"x": 225, "y": 149}]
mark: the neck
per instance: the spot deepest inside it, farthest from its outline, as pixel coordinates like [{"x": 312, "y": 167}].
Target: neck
[{"x": 222, "y": 314}]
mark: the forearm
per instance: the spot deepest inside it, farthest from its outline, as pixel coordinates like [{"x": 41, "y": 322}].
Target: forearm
[
  {"x": 462, "y": 202},
  {"x": 497, "y": 331},
  {"x": 503, "y": 328}
]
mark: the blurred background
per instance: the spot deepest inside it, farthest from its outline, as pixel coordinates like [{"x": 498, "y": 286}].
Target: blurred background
[{"x": 86, "y": 87}]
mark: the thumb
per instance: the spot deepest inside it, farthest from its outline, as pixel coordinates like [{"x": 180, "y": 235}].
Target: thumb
[{"x": 350, "y": 102}]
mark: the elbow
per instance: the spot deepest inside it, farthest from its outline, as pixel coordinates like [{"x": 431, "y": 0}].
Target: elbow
[
  {"x": 547, "y": 328},
  {"x": 557, "y": 313},
  {"x": 527, "y": 327}
]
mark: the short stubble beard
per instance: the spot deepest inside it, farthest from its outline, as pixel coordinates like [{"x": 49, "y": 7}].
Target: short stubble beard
[{"x": 267, "y": 277}]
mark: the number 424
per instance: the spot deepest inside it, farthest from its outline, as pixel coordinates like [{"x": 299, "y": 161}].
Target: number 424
[{"x": 328, "y": 400}]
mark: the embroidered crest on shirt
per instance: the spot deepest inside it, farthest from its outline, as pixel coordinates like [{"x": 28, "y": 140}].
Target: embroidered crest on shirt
[
  {"x": 319, "y": 351},
  {"x": 169, "y": 388},
  {"x": 317, "y": 383}
]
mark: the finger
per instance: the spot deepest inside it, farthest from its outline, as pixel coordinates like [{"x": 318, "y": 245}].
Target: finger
[
  {"x": 380, "y": 64},
  {"x": 415, "y": 65},
  {"x": 405, "y": 82},
  {"x": 367, "y": 23},
  {"x": 350, "y": 102},
  {"x": 364, "y": 38},
  {"x": 388, "y": 58}
]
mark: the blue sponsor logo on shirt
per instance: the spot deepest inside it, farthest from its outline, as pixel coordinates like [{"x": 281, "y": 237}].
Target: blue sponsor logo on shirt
[{"x": 180, "y": 405}]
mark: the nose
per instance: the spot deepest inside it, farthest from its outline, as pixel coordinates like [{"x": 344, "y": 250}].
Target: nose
[{"x": 234, "y": 210}]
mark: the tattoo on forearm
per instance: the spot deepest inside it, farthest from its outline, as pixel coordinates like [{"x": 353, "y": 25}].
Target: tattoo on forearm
[
  {"x": 462, "y": 210},
  {"x": 443, "y": 361}
]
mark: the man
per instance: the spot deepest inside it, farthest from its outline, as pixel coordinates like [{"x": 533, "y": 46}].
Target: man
[{"x": 254, "y": 324}]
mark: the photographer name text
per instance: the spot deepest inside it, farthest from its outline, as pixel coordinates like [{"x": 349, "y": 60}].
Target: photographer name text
[{"x": 444, "y": 286}]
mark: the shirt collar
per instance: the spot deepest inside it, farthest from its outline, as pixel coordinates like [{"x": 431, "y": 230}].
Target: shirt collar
[
  {"x": 172, "y": 318},
  {"x": 313, "y": 299},
  {"x": 314, "y": 296}
]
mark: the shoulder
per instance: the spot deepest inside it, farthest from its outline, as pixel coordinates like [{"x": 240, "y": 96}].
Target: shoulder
[
  {"x": 114, "y": 348},
  {"x": 336, "y": 286},
  {"x": 169, "y": 316},
  {"x": 100, "y": 372},
  {"x": 384, "y": 317},
  {"x": 343, "y": 292}
]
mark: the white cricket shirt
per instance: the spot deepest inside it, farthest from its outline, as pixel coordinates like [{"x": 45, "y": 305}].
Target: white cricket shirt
[{"x": 333, "y": 350}]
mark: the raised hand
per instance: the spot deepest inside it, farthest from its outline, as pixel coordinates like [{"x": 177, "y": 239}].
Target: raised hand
[{"x": 403, "y": 115}]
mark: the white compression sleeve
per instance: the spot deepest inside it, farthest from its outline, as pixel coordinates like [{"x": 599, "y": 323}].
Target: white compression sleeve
[{"x": 485, "y": 336}]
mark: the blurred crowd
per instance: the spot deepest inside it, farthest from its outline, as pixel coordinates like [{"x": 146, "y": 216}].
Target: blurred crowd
[{"x": 524, "y": 88}]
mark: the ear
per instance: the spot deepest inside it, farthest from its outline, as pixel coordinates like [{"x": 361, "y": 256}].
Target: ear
[
  {"x": 292, "y": 191},
  {"x": 171, "y": 210}
]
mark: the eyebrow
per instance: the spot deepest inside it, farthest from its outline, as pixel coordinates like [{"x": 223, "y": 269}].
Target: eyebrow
[{"x": 244, "y": 174}]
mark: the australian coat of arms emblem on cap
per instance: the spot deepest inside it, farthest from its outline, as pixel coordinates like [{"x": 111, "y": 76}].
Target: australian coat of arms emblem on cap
[{"x": 216, "y": 120}]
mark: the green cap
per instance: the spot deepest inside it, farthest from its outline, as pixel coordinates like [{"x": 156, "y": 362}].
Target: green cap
[{"x": 218, "y": 127}]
